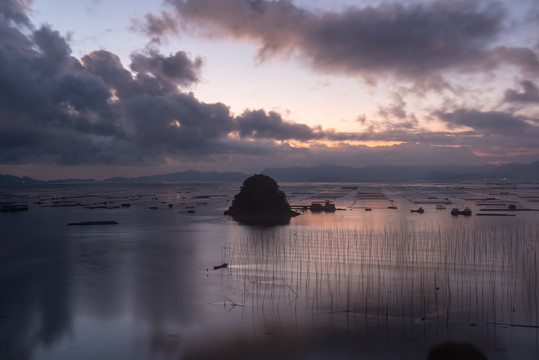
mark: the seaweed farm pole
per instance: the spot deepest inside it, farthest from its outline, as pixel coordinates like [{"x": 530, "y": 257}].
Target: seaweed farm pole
[{"x": 535, "y": 284}]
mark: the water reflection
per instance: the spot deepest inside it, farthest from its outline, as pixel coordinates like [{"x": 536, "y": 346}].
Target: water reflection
[
  {"x": 385, "y": 282},
  {"x": 35, "y": 301},
  {"x": 57, "y": 280},
  {"x": 432, "y": 281}
]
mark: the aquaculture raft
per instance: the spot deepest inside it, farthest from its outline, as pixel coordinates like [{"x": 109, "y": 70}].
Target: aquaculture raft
[{"x": 94, "y": 223}]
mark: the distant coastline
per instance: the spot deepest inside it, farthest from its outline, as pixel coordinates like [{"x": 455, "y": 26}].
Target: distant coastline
[{"x": 325, "y": 173}]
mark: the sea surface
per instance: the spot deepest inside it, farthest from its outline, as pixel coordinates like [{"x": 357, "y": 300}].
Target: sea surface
[{"x": 372, "y": 280}]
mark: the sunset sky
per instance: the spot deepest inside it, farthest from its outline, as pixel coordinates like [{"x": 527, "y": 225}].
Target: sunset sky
[{"x": 102, "y": 88}]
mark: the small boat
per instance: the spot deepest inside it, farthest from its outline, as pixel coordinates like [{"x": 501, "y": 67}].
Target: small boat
[
  {"x": 316, "y": 207},
  {"x": 327, "y": 206},
  {"x": 368, "y": 209},
  {"x": 419, "y": 210},
  {"x": 465, "y": 212},
  {"x": 222, "y": 266}
]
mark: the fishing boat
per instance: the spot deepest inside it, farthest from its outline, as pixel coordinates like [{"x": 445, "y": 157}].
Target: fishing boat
[
  {"x": 327, "y": 206},
  {"x": 465, "y": 212}
]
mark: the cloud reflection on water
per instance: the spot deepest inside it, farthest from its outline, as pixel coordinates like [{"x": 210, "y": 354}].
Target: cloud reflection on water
[{"x": 384, "y": 282}]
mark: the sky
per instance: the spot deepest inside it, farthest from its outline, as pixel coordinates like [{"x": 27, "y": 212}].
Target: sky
[{"x": 103, "y": 88}]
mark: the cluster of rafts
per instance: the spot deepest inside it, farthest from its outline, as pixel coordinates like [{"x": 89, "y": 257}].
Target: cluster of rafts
[{"x": 454, "y": 211}]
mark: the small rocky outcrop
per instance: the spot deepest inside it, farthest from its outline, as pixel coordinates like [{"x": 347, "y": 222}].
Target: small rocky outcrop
[{"x": 260, "y": 202}]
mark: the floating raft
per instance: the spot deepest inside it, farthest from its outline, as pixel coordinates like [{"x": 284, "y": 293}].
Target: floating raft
[
  {"x": 13, "y": 208},
  {"x": 498, "y": 214},
  {"x": 517, "y": 209},
  {"x": 94, "y": 223}
]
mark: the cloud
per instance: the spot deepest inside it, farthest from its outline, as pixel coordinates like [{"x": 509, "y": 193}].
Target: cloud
[
  {"x": 157, "y": 26},
  {"x": 15, "y": 10},
  {"x": 525, "y": 59},
  {"x": 396, "y": 110},
  {"x": 415, "y": 42},
  {"x": 358, "y": 156},
  {"x": 166, "y": 73},
  {"x": 176, "y": 125},
  {"x": 50, "y": 100},
  {"x": 108, "y": 67},
  {"x": 94, "y": 111},
  {"x": 396, "y": 116},
  {"x": 57, "y": 109},
  {"x": 62, "y": 110},
  {"x": 495, "y": 129},
  {"x": 530, "y": 94},
  {"x": 155, "y": 74},
  {"x": 259, "y": 124},
  {"x": 492, "y": 121}
]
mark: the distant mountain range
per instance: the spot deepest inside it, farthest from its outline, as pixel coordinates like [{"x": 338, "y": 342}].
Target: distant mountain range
[
  {"x": 184, "y": 176},
  {"x": 333, "y": 173},
  {"x": 327, "y": 173}
]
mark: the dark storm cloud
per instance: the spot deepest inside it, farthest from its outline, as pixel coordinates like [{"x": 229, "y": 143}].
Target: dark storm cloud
[
  {"x": 492, "y": 121},
  {"x": 155, "y": 74},
  {"x": 46, "y": 90},
  {"x": 15, "y": 10},
  {"x": 259, "y": 124},
  {"x": 495, "y": 129},
  {"x": 158, "y": 118},
  {"x": 166, "y": 71},
  {"x": 529, "y": 95},
  {"x": 95, "y": 111},
  {"x": 414, "y": 42},
  {"x": 176, "y": 124},
  {"x": 108, "y": 67},
  {"x": 55, "y": 50},
  {"x": 56, "y": 108}
]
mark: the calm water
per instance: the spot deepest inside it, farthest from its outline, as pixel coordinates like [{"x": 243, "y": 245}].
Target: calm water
[{"x": 385, "y": 283}]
